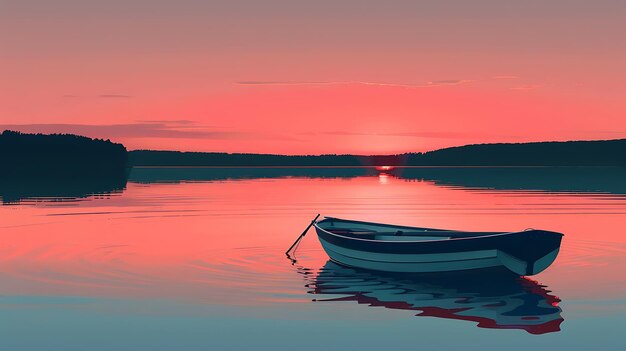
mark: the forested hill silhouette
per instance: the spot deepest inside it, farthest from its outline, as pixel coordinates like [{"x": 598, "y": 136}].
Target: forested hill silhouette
[
  {"x": 39, "y": 155},
  {"x": 177, "y": 158},
  {"x": 570, "y": 153},
  {"x": 34, "y": 155}
]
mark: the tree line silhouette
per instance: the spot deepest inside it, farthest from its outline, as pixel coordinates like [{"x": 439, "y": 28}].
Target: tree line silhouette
[
  {"x": 570, "y": 153},
  {"x": 567, "y": 153},
  {"x": 178, "y": 158},
  {"x": 39, "y": 155}
]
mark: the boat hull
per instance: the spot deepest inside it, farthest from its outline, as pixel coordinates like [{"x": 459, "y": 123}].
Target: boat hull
[{"x": 523, "y": 253}]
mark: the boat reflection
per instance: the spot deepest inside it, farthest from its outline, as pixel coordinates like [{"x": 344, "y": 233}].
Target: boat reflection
[{"x": 501, "y": 302}]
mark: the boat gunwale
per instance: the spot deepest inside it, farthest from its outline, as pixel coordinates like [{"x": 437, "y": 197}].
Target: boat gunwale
[{"x": 416, "y": 241}]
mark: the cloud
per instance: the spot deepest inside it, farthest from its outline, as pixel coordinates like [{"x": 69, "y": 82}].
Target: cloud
[
  {"x": 170, "y": 121},
  {"x": 506, "y": 77},
  {"x": 254, "y": 82},
  {"x": 162, "y": 129},
  {"x": 425, "y": 134},
  {"x": 115, "y": 96},
  {"x": 154, "y": 129},
  {"x": 450, "y": 81},
  {"x": 429, "y": 84},
  {"x": 526, "y": 87},
  {"x": 101, "y": 96}
]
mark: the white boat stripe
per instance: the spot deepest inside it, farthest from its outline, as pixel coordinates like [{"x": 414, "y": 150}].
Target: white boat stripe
[
  {"x": 408, "y": 238},
  {"x": 317, "y": 227}
]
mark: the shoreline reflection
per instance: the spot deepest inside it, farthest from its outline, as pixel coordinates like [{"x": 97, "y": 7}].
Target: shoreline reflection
[
  {"x": 580, "y": 180},
  {"x": 607, "y": 180},
  {"x": 59, "y": 189}
]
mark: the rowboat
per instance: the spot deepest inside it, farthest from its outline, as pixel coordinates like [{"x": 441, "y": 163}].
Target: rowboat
[{"x": 403, "y": 249}]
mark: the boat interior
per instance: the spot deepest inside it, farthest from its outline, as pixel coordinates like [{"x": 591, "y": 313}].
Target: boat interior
[{"x": 390, "y": 232}]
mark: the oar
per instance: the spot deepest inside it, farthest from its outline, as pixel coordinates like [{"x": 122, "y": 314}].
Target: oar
[{"x": 302, "y": 235}]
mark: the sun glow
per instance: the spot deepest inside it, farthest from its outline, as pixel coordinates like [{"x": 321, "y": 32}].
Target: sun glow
[{"x": 384, "y": 168}]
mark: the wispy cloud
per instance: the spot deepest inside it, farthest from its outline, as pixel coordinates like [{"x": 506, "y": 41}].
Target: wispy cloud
[
  {"x": 526, "y": 87},
  {"x": 429, "y": 84},
  {"x": 115, "y": 96},
  {"x": 260, "y": 82},
  {"x": 128, "y": 130},
  {"x": 505, "y": 77},
  {"x": 101, "y": 96},
  {"x": 421, "y": 134},
  {"x": 450, "y": 81},
  {"x": 170, "y": 121}
]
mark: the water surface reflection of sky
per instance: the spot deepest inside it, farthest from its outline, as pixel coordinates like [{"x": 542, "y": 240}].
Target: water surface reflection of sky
[{"x": 193, "y": 259}]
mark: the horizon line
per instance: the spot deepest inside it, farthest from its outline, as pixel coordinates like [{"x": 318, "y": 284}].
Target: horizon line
[
  {"x": 397, "y": 154},
  {"x": 326, "y": 154}
]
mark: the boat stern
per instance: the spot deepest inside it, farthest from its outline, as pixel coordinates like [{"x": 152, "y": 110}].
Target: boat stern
[{"x": 531, "y": 252}]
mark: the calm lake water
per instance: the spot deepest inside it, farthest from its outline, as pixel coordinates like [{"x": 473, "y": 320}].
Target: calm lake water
[{"x": 193, "y": 259}]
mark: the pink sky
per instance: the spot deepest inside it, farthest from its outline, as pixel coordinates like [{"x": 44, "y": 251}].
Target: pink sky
[{"x": 314, "y": 77}]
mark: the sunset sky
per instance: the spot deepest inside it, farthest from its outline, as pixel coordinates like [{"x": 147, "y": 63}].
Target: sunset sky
[{"x": 310, "y": 77}]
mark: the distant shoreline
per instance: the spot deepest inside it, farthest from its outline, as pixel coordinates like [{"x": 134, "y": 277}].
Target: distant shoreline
[
  {"x": 537, "y": 154},
  {"x": 72, "y": 155}
]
